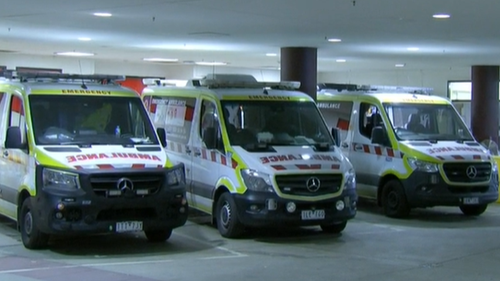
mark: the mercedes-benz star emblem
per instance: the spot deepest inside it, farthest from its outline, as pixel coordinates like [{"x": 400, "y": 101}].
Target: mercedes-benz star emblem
[
  {"x": 125, "y": 184},
  {"x": 471, "y": 172},
  {"x": 313, "y": 184}
]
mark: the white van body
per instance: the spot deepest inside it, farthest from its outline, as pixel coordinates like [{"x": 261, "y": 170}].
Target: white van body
[{"x": 244, "y": 173}]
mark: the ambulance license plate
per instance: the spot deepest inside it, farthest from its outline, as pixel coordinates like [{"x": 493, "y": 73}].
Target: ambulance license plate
[
  {"x": 128, "y": 226},
  {"x": 313, "y": 214},
  {"x": 470, "y": 200}
]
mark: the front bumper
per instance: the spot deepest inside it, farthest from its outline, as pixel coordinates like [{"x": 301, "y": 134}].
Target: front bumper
[
  {"x": 260, "y": 209},
  {"x": 91, "y": 210},
  {"x": 429, "y": 190}
]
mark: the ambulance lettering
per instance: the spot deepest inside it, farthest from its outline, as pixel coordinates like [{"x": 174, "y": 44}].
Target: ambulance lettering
[
  {"x": 92, "y": 92},
  {"x": 297, "y": 157},
  {"x": 453, "y": 149},
  {"x": 99, "y": 156}
]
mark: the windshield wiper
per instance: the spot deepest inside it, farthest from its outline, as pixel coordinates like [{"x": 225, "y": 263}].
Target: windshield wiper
[
  {"x": 82, "y": 143},
  {"x": 322, "y": 146},
  {"x": 261, "y": 146}
]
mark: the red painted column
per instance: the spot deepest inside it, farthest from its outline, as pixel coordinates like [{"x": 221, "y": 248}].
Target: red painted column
[
  {"x": 300, "y": 64},
  {"x": 484, "y": 102}
]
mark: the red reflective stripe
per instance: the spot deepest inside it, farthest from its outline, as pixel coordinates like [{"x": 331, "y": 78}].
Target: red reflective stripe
[
  {"x": 441, "y": 157},
  {"x": 138, "y": 166},
  {"x": 390, "y": 152},
  {"x": 234, "y": 163},
  {"x": 476, "y": 157},
  {"x": 223, "y": 160},
  {"x": 457, "y": 157},
  {"x": 213, "y": 156},
  {"x": 278, "y": 167},
  {"x": 378, "y": 150},
  {"x": 105, "y": 166},
  {"x": 335, "y": 166},
  {"x": 79, "y": 167},
  {"x": 204, "y": 153},
  {"x": 309, "y": 167},
  {"x": 366, "y": 148}
]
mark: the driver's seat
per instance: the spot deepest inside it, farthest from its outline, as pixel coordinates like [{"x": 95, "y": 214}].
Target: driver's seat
[{"x": 414, "y": 124}]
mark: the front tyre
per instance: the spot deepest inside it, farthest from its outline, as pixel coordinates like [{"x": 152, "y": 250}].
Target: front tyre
[
  {"x": 227, "y": 220},
  {"x": 158, "y": 235},
  {"x": 394, "y": 200},
  {"x": 473, "y": 210},
  {"x": 31, "y": 236},
  {"x": 334, "y": 228}
]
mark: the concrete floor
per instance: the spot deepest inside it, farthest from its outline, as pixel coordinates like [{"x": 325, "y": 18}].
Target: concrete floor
[{"x": 434, "y": 244}]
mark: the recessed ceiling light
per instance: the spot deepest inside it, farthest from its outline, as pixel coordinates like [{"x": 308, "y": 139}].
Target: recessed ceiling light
[
  {"x": 75, "y": 54},
  {"x": 102, "y": 14},
  {"x": 399, "y": 65},
  {"x": 271, "y": 54},
  {"x": 341, "y": 60},
  {"x": 334, "y": 40},
  {"x": 441, "y": 16},
  {"x": 84, "y": 39},
  {"x": 210, "y": 63},
  {"x": 160, "y": 59},
  {"x": 413, "y": 49}
]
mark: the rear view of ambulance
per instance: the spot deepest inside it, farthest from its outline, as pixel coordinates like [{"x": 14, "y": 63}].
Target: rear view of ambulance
[
  {"x": 410, "y": 150},
  {"x": 256, "y": 154},
  {"x": 81, "y": 157}
]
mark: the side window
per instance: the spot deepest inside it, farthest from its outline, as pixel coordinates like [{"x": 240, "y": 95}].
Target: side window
[
  {"x": 210, "y": 132},
  {"x": 337, "y": 115},
  {"x": 369, "y": 118},
  {"x": 16, "y": 117},
  {"x": 174, "y": 114}
]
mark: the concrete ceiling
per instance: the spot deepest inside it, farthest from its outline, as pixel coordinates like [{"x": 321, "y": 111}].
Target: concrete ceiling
[{"x": 375, "y": 34}]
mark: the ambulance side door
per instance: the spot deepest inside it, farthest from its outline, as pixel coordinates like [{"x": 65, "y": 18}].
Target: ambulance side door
[
  {"x": 14, "y": 161},
  {"x": 366, "y": 157},
  {"x": 207, "y": 145}
]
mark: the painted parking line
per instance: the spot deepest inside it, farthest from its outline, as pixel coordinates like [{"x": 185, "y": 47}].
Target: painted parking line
[
  {"x": 233, "y": 254},
  {"x": 91, "y": 265}
]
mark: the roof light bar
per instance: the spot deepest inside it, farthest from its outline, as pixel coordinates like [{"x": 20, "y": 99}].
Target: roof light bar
[
  {"x": 373, "y": 88},
  {"x": 220, "y": 84},
  {"x": 59, "y": 77}
]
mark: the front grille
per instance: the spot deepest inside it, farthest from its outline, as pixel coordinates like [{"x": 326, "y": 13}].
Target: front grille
[
  {"x": 143, "y": 184},
  {"x": 297, "y": 184},
  {"x": 467, "y": 172},
  {"x": 468, "y": 189},
  {"x": 127, "y": 214}
]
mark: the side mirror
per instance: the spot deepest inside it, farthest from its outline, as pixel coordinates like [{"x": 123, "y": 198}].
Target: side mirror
[
  {"x": 336, "y": 136},
  {"x": 14, "y": 138},
  {"x": 379, "y": 136},
  {"x": 162, "y": 135}
]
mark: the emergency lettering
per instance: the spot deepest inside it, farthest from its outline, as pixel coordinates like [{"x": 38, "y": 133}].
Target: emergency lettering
[
  {"x": 99, "y": 156},
  {"x": 94, "y": 92},
  {"x": 453, "y": 149},
  {"x": 298, "y": 157},
  {"x": 264, "y": 97}
]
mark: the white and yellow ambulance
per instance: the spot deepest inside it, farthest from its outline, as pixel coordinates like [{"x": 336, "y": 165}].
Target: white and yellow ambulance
[
  {"x": 79, "y": 156},
  {"x": 409, "y": 149},
  {"x": 256, "y": 154}
]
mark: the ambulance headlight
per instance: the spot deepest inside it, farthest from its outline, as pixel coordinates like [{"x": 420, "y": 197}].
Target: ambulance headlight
[
  {"x": 423, "y": 166},
  {"x": 59, "y": 179},
  {"x": 176, "y": 176},
  {"x": 257, "y": 181},
  {"x": 350, "y": 179},
  {"x": 494, "y": 167}
]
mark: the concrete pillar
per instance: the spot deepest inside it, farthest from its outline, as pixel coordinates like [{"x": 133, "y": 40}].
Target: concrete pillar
[
  {"x": 300, "y": 64},
  {"x": 484, "y": 104}
]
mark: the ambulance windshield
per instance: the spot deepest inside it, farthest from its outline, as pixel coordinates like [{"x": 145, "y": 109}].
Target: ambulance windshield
[
  {"x": 90, "y": 120},
  {"x": 283, "y": 123},
  {"x": 434, "y": 122}
]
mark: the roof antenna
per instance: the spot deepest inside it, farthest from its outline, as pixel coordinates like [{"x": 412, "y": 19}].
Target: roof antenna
[{"x": 83, "y": 81}]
